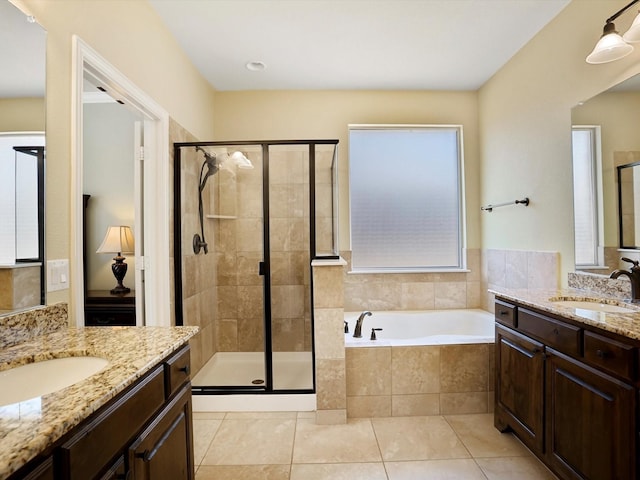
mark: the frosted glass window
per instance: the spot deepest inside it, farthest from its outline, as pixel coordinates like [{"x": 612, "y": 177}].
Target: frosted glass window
[
  {"x": 585, "y": 195},
  {"x": 406, "y": 191}
]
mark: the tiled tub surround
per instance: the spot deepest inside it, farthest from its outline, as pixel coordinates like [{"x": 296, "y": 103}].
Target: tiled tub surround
[
  {"x": 419, "y": 380},
  {"x": 28, "y": 428},
  {"x": 23, "y": 326},
  {"x": 517, "y": 269},
  {"x": 413, "y": 291},
  {"x": 331, "y": 377}
]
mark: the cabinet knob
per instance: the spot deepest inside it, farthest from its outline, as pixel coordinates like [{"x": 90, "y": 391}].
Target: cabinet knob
[
  {"x": 186, "y": 369},
  {"x": 602, "y": 353},
  {"x": 503, "y": 312}
]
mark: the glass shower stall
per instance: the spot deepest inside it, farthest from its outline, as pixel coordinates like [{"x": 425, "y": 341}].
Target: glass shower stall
[{"x": 249, "y": 218}]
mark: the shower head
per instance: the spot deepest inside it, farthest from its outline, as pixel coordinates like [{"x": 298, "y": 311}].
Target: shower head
[
  {"x": 241, "y": 160},
  {"x": 212, "y": 164}
]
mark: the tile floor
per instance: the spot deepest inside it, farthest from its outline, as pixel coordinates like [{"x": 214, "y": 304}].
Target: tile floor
[{"x": 289, "y": 445}]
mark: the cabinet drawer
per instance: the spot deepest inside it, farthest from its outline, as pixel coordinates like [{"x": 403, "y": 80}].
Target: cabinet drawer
[
  {"x": 177, "y": 369},
  {"x": 562, "y": 336},
  {"x": 42, "y": 471},
  {"x": 88, "y": 452},
  {"x": 506, "y": 313},
  {"x": 164, "y": 449},
  {"x": 610, "y": 355}
]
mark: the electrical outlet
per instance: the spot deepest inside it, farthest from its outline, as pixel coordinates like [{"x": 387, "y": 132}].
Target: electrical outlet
[{"x": 57, "y": 275}]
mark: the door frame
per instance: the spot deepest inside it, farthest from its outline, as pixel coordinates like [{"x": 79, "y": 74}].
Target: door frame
[{"x": 156, "y": 191}]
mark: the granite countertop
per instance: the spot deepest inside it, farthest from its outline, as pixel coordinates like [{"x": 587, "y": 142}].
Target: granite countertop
[
  {"x": 626, "y": 324},
  {"x": 28, "y": 428}
]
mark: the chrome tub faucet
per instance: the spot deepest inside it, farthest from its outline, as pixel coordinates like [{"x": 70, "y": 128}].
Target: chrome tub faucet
[{"x": 357, "y": 333}]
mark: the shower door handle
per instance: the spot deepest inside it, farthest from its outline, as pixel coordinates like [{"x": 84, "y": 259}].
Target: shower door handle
[{"x": 261, "y": 268}]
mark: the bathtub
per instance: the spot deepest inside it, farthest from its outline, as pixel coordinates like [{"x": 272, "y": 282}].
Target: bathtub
[
  {"x": 428, "y": 327},
  {"x": 435, "y": 362}
]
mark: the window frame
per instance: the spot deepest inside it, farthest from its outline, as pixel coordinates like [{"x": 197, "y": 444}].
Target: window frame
[
  {"x": 597, "y": 206},
  {"x": 461, "y": 214}
]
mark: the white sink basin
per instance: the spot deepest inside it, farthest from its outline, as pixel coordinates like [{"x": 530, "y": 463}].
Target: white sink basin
[
  {"x": 36, "y": 379},
  {"x": 595, "y": 306}
]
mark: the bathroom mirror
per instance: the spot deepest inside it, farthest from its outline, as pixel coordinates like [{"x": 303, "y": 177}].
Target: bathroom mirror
[
  {"x": 615, "y": 114},
  {"x": 629, "y": 205},
  {"x": 22, "y": 115}
]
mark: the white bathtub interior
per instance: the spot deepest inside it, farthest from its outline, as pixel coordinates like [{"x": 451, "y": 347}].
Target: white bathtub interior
[{"x": 430, "y": 327}]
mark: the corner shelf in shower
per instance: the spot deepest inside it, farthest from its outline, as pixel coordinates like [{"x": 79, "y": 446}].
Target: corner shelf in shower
[{"x": 222, "y": 217}]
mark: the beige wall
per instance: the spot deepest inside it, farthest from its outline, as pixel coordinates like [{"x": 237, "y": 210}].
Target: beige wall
[
  {"x": 525, "y": 122},
  {"x": 516, "y": 129},
  {"x": 22, "y": 114},
  {"x": 130, "y": 36},
  {"x": 280, "y": 115},
  {"x": 108, "y": 150}
]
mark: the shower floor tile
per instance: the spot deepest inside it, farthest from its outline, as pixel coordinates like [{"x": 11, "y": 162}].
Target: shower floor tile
[
  {"x": 291, "y": 370},
  {"x": 290, "y": 446}
]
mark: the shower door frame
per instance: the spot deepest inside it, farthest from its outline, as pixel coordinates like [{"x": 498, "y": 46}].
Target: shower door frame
[{"x": 264, "y": 265}]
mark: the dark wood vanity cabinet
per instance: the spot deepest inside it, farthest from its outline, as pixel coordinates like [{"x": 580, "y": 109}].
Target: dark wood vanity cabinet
[
  {"x": 569, "y": 392},
  {"x": 162, "y": 449},
  {"x": 143, "y": 433},
  {"x": 591, "y": 421},
  {"x": 39, "y": 470},
  {"x": 519, "y": 386}
]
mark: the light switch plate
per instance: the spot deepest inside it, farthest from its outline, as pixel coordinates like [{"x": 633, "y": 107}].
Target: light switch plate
[{"x": 57, "y": 275}]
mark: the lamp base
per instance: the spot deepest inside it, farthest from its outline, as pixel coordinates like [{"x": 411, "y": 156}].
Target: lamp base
[
  {"x": 120, "y": 290},
  {"x": 119, "y": 269}
]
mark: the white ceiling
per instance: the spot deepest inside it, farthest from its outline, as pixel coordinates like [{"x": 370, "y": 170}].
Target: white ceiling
[
  {"x": 318, "y": 44},
  {"x": 354, "y": 44}
]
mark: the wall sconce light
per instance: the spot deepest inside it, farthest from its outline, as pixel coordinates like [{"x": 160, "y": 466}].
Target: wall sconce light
[
  {"x": 118, "y": 240},
  {"x": 611, "y": 45}
]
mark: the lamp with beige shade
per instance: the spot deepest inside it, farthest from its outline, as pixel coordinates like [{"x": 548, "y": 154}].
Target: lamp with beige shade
[{"x": 118, "y": 240}]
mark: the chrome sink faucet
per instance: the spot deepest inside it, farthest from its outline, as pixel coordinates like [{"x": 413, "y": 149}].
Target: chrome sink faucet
[
  {"x": 357, "y": 333},
  {"x": 634, "y": 277}
]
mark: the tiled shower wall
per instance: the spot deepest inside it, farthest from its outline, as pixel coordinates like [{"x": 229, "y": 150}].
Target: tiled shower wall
[
  {"x": 198, "y": 271},
  {"x": 239, "y": 250}
]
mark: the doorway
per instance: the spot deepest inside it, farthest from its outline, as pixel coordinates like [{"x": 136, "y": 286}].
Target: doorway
[{"x": 152, "y": 198}]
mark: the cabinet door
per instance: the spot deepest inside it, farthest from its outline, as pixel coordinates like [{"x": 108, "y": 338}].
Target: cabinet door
[
  {"x": 164, "y": 450},
  {"x": 520, "y": 386},
  {"x": 591, "y": 421}
]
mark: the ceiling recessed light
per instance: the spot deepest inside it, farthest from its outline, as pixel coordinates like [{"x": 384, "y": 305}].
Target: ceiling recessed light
[{"x": 256, "y": 66}]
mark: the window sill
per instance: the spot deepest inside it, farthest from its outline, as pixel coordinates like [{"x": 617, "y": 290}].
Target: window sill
[{"x": 406, "y": 270}]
